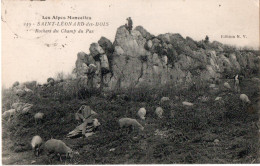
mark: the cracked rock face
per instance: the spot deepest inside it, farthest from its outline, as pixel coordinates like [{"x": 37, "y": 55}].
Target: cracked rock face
[{"x": 141, "y": 59}]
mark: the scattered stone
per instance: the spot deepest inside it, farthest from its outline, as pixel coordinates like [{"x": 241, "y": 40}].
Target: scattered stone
[
  {"x": 218, "y": 98},
  {"x": 216, "y": 141},
  {"x": 187, "y": 103},
  {"x": 212, "y": 85},
  {"x": 89, "y": 134},
  {"x": 112, "y": 149},
  {"x": 20, "y": 92},
  {"x": 8, "y": 114},
  {"x": 203, "y": 99},
  {"x": 22, "y": 107},
  {"x": 33, "y": 162},
  {"x": 141, "y": 113},
  {"x": 86, "y": 128},
  {"x": 84, "y": 112},
  {"x": 257, "y": 80},
  {"x": 226, "y": 85},
  {"x": 27, "y": 90},
  {"x": 162, "y": 134}
]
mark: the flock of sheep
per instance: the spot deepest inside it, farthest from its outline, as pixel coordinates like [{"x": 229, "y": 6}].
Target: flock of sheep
[{"x": 58, "y": 147}]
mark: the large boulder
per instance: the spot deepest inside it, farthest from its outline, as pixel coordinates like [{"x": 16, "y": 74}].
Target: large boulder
[
  {"x": 22, "y": 107},
  {"x": 140, "y": 59},
  {"x": 96, "y": 50},
  {"x": 20, "y": 92},
  {"x": 144, "y": 33},
  {"x": 104, "y": 63},
  {"x": 106, "y": 45}
]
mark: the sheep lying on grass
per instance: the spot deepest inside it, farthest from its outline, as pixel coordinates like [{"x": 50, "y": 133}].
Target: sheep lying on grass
[
  {"x": 128, "y": 122},
  {"x": 141, "y": 113},
  {"x": 36, "y": 144},
  {"x": 58, "y": 148},
  {"x": 38, "y": 117}
]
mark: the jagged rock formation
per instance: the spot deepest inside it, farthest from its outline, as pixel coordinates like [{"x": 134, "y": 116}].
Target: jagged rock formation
[{"x": 142, "y": 59}]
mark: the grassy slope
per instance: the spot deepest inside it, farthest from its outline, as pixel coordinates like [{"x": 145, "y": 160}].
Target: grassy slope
[{"x": 188, "y": 132}]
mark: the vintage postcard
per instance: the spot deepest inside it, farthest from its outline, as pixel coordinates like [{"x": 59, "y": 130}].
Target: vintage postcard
[{"x": 130, "y": 82}]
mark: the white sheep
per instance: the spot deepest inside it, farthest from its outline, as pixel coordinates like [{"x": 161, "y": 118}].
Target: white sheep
[
  {"x": 159, "y": 112},
  {"x": 128, "y": 122},
  {"x": 226, "y": 85},
  {"x": 58, "y": 148},
  {"x": 244, "y": 98},
  {"x": 38, "y": 117},
  {"x": 164, "y": 99},
  {"x": 10, "y": 113},
  {"x": 141, "y": 113},
  {"x": 36, "y": 144}
]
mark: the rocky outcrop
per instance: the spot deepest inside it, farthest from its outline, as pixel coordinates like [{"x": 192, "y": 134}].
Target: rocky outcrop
[{"x": 142, "y": 59}]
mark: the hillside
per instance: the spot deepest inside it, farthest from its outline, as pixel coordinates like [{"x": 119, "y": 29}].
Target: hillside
[{"x": 137, "y": 70}]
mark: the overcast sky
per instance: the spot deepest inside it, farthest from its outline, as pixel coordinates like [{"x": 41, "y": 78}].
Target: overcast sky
[{"x": 27, "y": 56}]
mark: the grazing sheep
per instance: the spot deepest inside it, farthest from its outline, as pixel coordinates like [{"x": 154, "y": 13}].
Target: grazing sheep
[
  {"x": 159, "y": 112},
  {"x": 141, "y": 113},
  {"x": 36, "y": 144},
  {"x": 128, "y": 122},
  {"x": 244, "y": 99},
  {"x": 58, "y": 148},
  {"x": 10, "y": 113},
  {"x": 226, "y": 85},
  {"x": 38, "y": 117}
]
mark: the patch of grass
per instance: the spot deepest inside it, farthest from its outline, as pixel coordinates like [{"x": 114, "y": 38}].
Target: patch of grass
[{"x": 188, "y": 132}]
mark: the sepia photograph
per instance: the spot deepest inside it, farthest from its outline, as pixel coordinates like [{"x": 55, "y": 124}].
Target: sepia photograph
[{"x": 89, "y": 82}]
